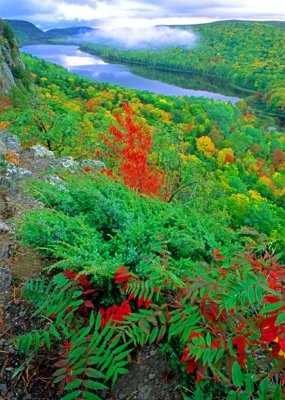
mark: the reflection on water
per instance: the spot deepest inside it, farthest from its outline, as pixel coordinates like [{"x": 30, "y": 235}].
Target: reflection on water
[
  {"x": 188, "y": 81},
  {"x": 77, "y": 61},
  {"x": 142, "y": 78}
]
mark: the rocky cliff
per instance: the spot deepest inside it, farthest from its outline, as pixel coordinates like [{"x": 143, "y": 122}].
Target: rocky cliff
[{"x": 12, "y": 69}]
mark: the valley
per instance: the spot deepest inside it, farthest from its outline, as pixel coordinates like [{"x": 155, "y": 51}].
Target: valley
[{"x": 143, "y": 214}]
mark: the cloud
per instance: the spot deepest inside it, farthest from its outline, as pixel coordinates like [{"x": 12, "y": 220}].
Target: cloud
[
  {"x": 52, "y": 11},
  {"x": 141, "y": 38}
]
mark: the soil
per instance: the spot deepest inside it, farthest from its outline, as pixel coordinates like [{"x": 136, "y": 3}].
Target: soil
[{"x": 149, "y": 377}]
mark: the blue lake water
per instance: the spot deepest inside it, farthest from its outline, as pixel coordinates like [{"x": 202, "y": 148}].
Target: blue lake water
[{"x": 141, "y": 78}]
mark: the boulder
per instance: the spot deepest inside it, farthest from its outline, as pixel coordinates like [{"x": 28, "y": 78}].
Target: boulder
[
  {"x": 67, "y": 162},
  {"x": 9, "y": 143},
  {"x": 39, "y": 151},
  {"x": 92, "y": 164},
  {"x": 4, "y": 228}
]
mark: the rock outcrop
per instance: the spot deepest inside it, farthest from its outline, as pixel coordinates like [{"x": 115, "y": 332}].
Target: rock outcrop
[{"x": 12, "y": 69}]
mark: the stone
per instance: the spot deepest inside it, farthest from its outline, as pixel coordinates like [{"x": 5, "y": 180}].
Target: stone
[
  {"x": 6, "y": 251},
  {"x": 39, "y": 151},
  {"x": 4, "y": 228},
  {"x": 55, "y": 181},
  {"x": 67, "y": 162},
  {"x": 9, "y": 143},
  {"x": 92, "y": 164},
  {"x": 17, "y": 173}
]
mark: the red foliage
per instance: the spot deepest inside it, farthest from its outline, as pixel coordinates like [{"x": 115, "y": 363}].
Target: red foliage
[
  {"x": 122, "y": 275},
  {"x": 217, "y": 255},
  {"x": 81, "y": 279},
  {"x": 229, "y": 158},
  {"x": 115, "y": 313},
  {"x": 278, "y": 157},
  {"x": 130, "y": 147}
]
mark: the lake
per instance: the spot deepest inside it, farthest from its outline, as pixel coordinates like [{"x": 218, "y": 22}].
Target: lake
[{"x": 141, "y": 78}]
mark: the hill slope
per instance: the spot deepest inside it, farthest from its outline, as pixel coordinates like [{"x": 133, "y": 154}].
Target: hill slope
[
  {"x": 25, "y": 31},
  {"x": 28, "y": 33}
]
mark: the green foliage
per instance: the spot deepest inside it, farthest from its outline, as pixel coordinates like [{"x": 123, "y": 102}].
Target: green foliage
[{"x": 96, "y": 225}]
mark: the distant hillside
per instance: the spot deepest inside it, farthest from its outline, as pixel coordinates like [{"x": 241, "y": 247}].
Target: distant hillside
[
  {"x": 28, "y": 33},
  {"x": 280, "y": 24},
  {"x": 72, "y": 31},
  {"x": 25, "y": 31}
]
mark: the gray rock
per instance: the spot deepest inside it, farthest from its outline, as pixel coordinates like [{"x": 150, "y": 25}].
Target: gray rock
[
  {"x": 9, "y": 143},
  {"x": 6, "y": 251},
  {"x": 5, "y": 282},
  {"x": 17, "y": 173},
  {"x": 67, "y": 162},
  {"x": 4, "y": 228},
  {"x": 55, "y": 181},
  {"x": 92, "y": 164},
  {"x": 40, "y": 151}
]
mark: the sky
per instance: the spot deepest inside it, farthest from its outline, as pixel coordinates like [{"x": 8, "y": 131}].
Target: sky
[{"x": 137, "y": 13}]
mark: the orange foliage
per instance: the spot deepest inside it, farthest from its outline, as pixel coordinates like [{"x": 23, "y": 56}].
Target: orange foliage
[
  {"x": 12, "y": 157},
  {"x": 4, "y": 125}
]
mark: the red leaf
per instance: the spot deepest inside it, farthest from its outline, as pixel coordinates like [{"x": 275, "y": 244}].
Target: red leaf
[
  {"x": 88, "y": 304},
  {"x": 191, "y": 366},
  {"x": 122, "y": 275},
  {"x": 217, "y": 256},
  {"x": 89, "y": 291}
]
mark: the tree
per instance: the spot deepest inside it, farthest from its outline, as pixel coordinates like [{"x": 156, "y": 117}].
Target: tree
[{"x": 130, "y": 147}]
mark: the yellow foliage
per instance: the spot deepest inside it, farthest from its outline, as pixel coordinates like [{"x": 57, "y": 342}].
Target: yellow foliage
[
  {"x": 205, "y": 145},
  {"x": 254, "y": 194},
  {"x": 267, "y": 181},
  {"x": 241, "y": 200}
]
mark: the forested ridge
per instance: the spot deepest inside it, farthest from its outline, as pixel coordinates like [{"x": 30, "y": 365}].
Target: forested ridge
[
  {"x": 249, "y": 55},
  {"x": 177, "y": 240}
]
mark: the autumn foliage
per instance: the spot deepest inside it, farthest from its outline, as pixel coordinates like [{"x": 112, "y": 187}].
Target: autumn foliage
[
  {"x": 129, "y": 145},
  {"x": 228, "y": 316}
]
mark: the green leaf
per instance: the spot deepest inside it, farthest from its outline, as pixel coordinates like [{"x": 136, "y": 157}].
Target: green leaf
[
  {"x": 251, "y": 295},
  {"x": 208, "y": 339},
  {"x": 28, "y": 342},
  {"x": 47, "y": 339},
  {"x": 263, "y": 388},
  {"x": 93, "y": 373},
  {"x": 94, "y": 385},
  {"x": 37, "y": 341},
  {"x": 277, "y": 394},
  {"x": 273, "y": 306},
  {"x": 153, "y": 335},
  {"x": 91, "y": 319},
  {"x": 73, "y": 385},
  {"x": 90, "y": 396},
  {"x": 280, "y": 319},
  {"x": 236, "y": 374},
  {"x": 123, "y": 355},
  {"x": 98, "y": 322},
  {"x": 71, "y": 396}
]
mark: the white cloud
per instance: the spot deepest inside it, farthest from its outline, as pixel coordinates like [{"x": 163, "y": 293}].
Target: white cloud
[{"x": 38, "y": 11}]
